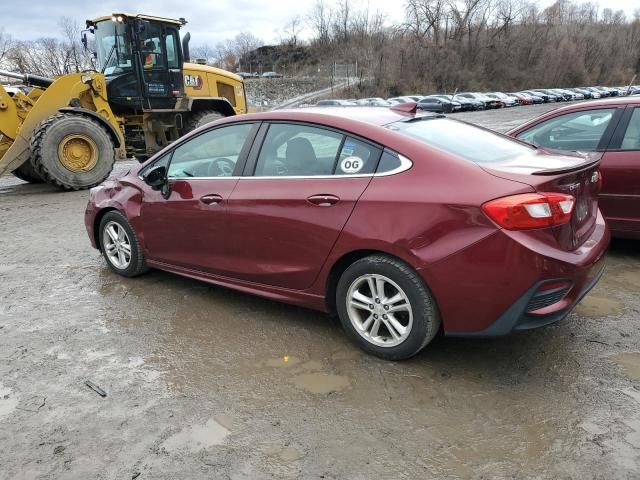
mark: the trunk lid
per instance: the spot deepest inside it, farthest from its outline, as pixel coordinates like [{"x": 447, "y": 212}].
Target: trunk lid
[{"x": 575, "y": 174}]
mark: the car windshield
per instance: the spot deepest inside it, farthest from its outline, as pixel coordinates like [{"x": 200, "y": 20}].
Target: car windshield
[
  {"x": 479, "y": 145},
  {"x": 112, "y": 47}
]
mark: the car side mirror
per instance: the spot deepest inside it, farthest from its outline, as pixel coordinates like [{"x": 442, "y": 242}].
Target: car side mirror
[{"x": 156, "y": 178}]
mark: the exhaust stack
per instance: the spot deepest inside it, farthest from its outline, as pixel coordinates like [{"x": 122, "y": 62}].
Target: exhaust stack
[{"x": 185, "y": 47}]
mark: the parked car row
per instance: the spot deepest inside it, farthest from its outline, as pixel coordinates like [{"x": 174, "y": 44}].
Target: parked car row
[{"x": 469, "y": 101}]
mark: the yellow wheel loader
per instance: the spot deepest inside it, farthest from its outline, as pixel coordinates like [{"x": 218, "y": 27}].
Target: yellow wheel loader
[{"x": 144, "y": 94}]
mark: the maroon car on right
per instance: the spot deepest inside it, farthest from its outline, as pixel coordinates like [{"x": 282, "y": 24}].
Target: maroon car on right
[{"x": 609, "y": 128}]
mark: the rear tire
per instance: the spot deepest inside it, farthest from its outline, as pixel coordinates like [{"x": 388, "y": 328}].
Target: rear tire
[
  {"x": 72, "y": 152},
  {"x": 198, "y": 119},
  {"x": 120, "y": 246},
  {"x": 27, "y": 173},
  {"x": 391, "y": 291}
]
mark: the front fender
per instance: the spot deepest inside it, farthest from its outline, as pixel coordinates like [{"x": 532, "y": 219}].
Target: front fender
[{"x": 122, "y": 195}]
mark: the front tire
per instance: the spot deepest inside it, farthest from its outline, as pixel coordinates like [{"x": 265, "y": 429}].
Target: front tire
[
  {"x": 197, "y": 120},
  {"x": 27, "y": 173},
  {"x": 120, "y": 246},
  {"x": 72, "y": 151},
  {"x": 385, "y": 308}
]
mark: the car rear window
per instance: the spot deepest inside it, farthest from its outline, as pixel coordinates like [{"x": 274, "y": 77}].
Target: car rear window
[{"x": 471, "y": 143}]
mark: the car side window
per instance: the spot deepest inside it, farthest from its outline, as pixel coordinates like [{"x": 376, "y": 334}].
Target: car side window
[
  {"x": 357, "y": 158},
  {"x": 631, "y": 139},
  {"x": 572, "y": 131},
  {"x": 159, "y": 162},
  {"x": 211, "y": 154},
  {"x": 390, "y": 161},
  {"x": 298, "y": 150}
]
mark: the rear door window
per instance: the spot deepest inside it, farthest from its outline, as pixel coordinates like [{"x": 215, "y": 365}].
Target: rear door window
[
  {"x": 572, "y": 131},
  {"x": 298, "y": 150},
  {"x": 357, "y": 158}
]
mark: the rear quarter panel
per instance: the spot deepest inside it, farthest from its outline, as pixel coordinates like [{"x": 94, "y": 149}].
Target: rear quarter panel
[{"x": 423, "y": 215}]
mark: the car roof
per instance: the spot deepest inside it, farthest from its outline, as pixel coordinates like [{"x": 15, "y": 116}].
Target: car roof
[
  {"x": 577, "y": 107},
  {"x": 612, "y": 101},
  {"x": 371, "y": 115}
]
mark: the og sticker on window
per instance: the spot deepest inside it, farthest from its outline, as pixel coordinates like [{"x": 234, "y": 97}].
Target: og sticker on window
[{"x": 351, "y": 164}]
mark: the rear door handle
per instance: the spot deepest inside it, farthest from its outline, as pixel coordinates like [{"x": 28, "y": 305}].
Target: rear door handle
[
  {"x": 212, "y": 199},
  {"x": 323, "y": 200}
]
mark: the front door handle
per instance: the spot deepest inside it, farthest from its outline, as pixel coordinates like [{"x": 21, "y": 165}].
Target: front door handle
[
  {"x": 323, "y": 200},
  {"x": 212, "y": 199}
]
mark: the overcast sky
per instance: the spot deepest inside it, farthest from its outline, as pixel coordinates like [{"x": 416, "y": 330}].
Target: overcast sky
[{"x": 210, "y": 21}]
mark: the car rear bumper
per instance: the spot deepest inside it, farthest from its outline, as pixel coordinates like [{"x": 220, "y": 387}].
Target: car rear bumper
[
  {"x": 517, "y": 317},
  {"x": 493, "y": 287}
]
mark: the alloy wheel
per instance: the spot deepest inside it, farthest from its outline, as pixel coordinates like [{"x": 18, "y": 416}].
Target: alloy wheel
[
  {"x": 379, "y": 310},
  {"x": 117, "y": 245}
]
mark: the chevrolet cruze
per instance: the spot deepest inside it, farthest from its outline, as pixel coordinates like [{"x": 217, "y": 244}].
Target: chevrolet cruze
[{"x": 405, "y": 224}]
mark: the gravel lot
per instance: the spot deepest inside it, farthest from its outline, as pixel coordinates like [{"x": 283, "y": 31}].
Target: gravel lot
[{"x": 204, "y": 382}]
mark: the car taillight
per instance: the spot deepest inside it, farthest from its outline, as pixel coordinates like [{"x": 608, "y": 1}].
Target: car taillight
[{"x": 530, "y": 210}]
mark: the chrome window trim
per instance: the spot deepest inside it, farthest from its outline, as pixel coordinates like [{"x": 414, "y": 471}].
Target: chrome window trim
[
  {"x": 405, "y": 164},
  {"x": 204, "y": 178}
]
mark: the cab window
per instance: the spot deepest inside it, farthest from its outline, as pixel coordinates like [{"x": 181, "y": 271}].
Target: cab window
[
  {"x": 572, "y": 131},
  {"x": 211, "y": 154},
  {"x": 152, "y": 47},
  {"x": 171, "y": 45}
]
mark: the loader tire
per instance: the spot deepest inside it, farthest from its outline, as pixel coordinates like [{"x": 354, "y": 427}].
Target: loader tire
[
  {"x": 27, "y": 173},
  {"x": 198, "y": 119},
  {"x": 72, "y": 152}
]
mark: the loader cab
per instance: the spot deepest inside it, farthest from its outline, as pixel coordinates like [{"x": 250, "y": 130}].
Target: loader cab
[{"x": 141, "y": 59}]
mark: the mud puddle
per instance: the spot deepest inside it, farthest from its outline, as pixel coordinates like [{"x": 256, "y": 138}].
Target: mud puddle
[
  {"x": 630, "y": 362},
  {"x": 321, "y": 383},
  {"x": 197, "y": 437},
  {"x": 8, "y": 402}
]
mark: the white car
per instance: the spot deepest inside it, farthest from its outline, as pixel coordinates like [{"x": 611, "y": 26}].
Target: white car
[{"x": 271, "y": 75}]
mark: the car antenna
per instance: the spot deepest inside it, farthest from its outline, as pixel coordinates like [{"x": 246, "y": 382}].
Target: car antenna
[
  {"x": 631, "y": 83},
  {"x": 455, "y": 90}
]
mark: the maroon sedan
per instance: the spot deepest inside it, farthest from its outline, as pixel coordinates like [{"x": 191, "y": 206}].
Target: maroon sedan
[
  {"x": 610, "y": 127},
  {"x": 403, "y": 224}
]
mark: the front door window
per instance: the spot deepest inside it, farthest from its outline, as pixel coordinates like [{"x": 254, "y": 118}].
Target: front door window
[{"x": 211, "y": 154}]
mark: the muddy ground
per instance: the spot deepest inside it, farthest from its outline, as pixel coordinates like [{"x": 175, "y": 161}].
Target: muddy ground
[{"x": 204, "y": 382}]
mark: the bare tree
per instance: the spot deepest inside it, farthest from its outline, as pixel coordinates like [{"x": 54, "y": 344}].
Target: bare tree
[
  {"x": 204, "y": 51},
  {"x": 244, "y": 43},
  {"x": 292, "y": 31},
  {"x": 341, "y": 19},
  {"x": 6, "y": 43},
  {"x": 319, "y": 19}
]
